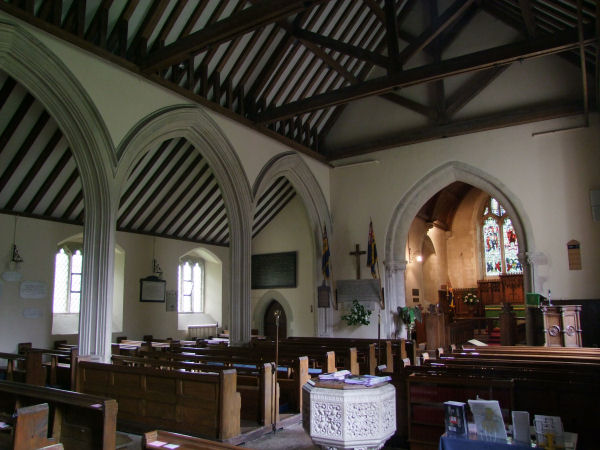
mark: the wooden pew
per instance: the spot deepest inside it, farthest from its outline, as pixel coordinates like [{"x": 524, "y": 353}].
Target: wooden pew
[
  {"x": 60, "y": 364},
  {"x": 31, "y": 427},
  {"x": 182, "y": 441},
  {"x": 26, "y": 368},
  {"x": 553, "y": 387},
  {"x": 79, "y": 421},
  {"x": 255, "y": 381},
  {"x": 205, "y": 404}
]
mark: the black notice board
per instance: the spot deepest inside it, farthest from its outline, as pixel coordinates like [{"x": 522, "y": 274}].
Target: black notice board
[{"x": 274, "y": 270}]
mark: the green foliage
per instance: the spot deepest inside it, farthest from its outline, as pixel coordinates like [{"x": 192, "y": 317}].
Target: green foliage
[
  {"x": 359, "y": 315},
  {"x": 409, "y": 315}
]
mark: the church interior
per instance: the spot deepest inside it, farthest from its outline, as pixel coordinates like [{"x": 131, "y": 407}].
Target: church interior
[{"x": 239, "y": 195}]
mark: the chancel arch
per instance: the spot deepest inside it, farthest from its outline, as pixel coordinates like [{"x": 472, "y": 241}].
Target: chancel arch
[
  {"x": 27, "y": 60},
  {"x": 290, "y": 166},
  {"x": 189, "y": 134},
  {"x": 396, "y": 246}
]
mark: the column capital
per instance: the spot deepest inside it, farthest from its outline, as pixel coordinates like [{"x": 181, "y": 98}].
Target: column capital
[{"x": 395, "y": 266}]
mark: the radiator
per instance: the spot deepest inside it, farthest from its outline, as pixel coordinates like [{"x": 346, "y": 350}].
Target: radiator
[{"x": 202, "y": 331}]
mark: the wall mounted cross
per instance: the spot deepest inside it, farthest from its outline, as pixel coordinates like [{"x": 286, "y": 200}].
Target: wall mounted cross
[{"x": 356, "y": 253}]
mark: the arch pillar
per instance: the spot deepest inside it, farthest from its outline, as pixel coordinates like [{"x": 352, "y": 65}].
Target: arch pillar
[
  {"x": 193, "y": 124},
  {"x": 27, "y": 60},
  {"x": 395, "y": 297},
  {"x": 293, "y": 167}
]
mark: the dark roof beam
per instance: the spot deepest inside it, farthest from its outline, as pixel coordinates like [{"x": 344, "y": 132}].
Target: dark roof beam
[
  {"x": 584, "y": 82},
  {"x": 481, "y": 60},
  {"x": 391, "y": 33},
  {"x": 528, "y": 19},
  {"x": 341, "y": 47},
  {"x": 493, "y": 121},
  {"x": 251, "y": 18},
  {"x": 450, "y": 15}
]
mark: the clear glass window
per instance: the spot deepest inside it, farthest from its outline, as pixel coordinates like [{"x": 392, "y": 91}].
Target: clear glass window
[
  {"x": 191, "y": 286},
  {"x": 67, "y": 281}
]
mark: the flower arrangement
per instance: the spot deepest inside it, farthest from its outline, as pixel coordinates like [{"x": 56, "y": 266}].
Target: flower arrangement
[
  {"x": 359, "y": 315},
  {"x": 470, "y": 298}
]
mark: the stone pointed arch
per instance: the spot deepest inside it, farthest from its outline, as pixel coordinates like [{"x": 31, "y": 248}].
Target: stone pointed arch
[
  {"x": 415, "y": 198},
  {"x": 293, "y": 167},
  {"x": 193, "y": 124},
  {"x": 27, "y": 60}
]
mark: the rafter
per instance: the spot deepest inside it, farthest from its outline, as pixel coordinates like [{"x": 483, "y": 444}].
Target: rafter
[
  {"x": 451, "y": 14},
  {"x": 528, "y": 19},
  {"x": 484, "y": 59},
  {"x": 484, "y": 123},
  {"x": 342, "y": 47},
  {"x": 224, "y": 30}
]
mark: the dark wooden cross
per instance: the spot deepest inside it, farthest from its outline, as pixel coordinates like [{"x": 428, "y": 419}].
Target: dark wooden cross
[{"x": 357, "y": 254}]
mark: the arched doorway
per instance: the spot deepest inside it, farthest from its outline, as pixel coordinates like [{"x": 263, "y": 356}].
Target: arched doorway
[
  {"x": 396, "y": 249},
  {"x": 269, "y": 321}
]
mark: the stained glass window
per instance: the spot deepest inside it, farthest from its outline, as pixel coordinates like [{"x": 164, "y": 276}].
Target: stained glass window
[
  {"x": 191, "y": 286},
  {"x": 67, "y": 281},
  {"x": 500, "y": 243}
]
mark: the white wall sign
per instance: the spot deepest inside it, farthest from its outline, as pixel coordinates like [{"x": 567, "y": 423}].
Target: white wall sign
[
  {"x": 33, "y": 313},
  {"x": 33, "y": 289},
  {"x": 171, "y": 300}
]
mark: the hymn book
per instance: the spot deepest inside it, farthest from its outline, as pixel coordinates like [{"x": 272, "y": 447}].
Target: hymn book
[{"x": 456, "y": 418}]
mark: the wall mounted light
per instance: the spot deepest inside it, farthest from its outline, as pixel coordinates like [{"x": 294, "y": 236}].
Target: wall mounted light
[
  {"x": 412, "y": 257},
  {"x": 14, "y": 265}
]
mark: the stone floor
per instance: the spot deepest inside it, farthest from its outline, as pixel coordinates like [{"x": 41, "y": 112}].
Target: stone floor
[{"x": 291, "y": 437}]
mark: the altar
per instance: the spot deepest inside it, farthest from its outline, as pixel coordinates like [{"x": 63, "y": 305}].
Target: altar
[{"x": 349, "y": 417}]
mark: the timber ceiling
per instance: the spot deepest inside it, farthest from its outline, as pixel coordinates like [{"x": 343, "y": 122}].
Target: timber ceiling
[{"x": 288, "y": 69}]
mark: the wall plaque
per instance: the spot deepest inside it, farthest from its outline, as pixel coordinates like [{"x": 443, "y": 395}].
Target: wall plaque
[{"x": 274, "y": 270}]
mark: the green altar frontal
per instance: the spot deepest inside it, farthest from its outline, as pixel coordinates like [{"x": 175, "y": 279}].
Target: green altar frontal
[{"x": 493, "y": 311}]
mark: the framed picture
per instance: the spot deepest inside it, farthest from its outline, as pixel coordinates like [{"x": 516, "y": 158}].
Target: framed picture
[{"x": 152, "y": 289}]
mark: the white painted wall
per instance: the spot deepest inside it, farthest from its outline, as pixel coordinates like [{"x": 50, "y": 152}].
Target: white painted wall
[
  {"x": 140, "y": 318},
  {"x": 289, "y": 231},
  {"x": 36, "y": 241},
  {"x": 547, "y": 177}
]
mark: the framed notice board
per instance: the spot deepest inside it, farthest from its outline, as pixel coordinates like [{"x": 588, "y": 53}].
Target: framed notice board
[{"x": 274, "y": 270}]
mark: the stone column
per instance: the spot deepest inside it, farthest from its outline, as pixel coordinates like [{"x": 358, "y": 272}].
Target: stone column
[
  {"x": 95, "y": 313},
  {"x": 395, "y": 296}
]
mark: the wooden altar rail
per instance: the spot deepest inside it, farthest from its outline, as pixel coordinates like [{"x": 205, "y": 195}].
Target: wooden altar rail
[
  {"x": 79, "y": 421},
  {"x": 25, "y": 368},
  {"x": 205, "y": 404}
]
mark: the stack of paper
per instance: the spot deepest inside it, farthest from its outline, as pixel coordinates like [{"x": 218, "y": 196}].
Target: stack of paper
[
  {"x": 366, "y": 380},
  {"x": 549, "y": 428},
  {"x": 339, "y": 375}
]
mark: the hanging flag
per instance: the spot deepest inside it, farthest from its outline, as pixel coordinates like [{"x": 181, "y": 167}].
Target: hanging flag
[
  {"x": 325, "y": 257},
  {"x": 450, "y": 296},
  {"x": 372, "y": 251}
]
